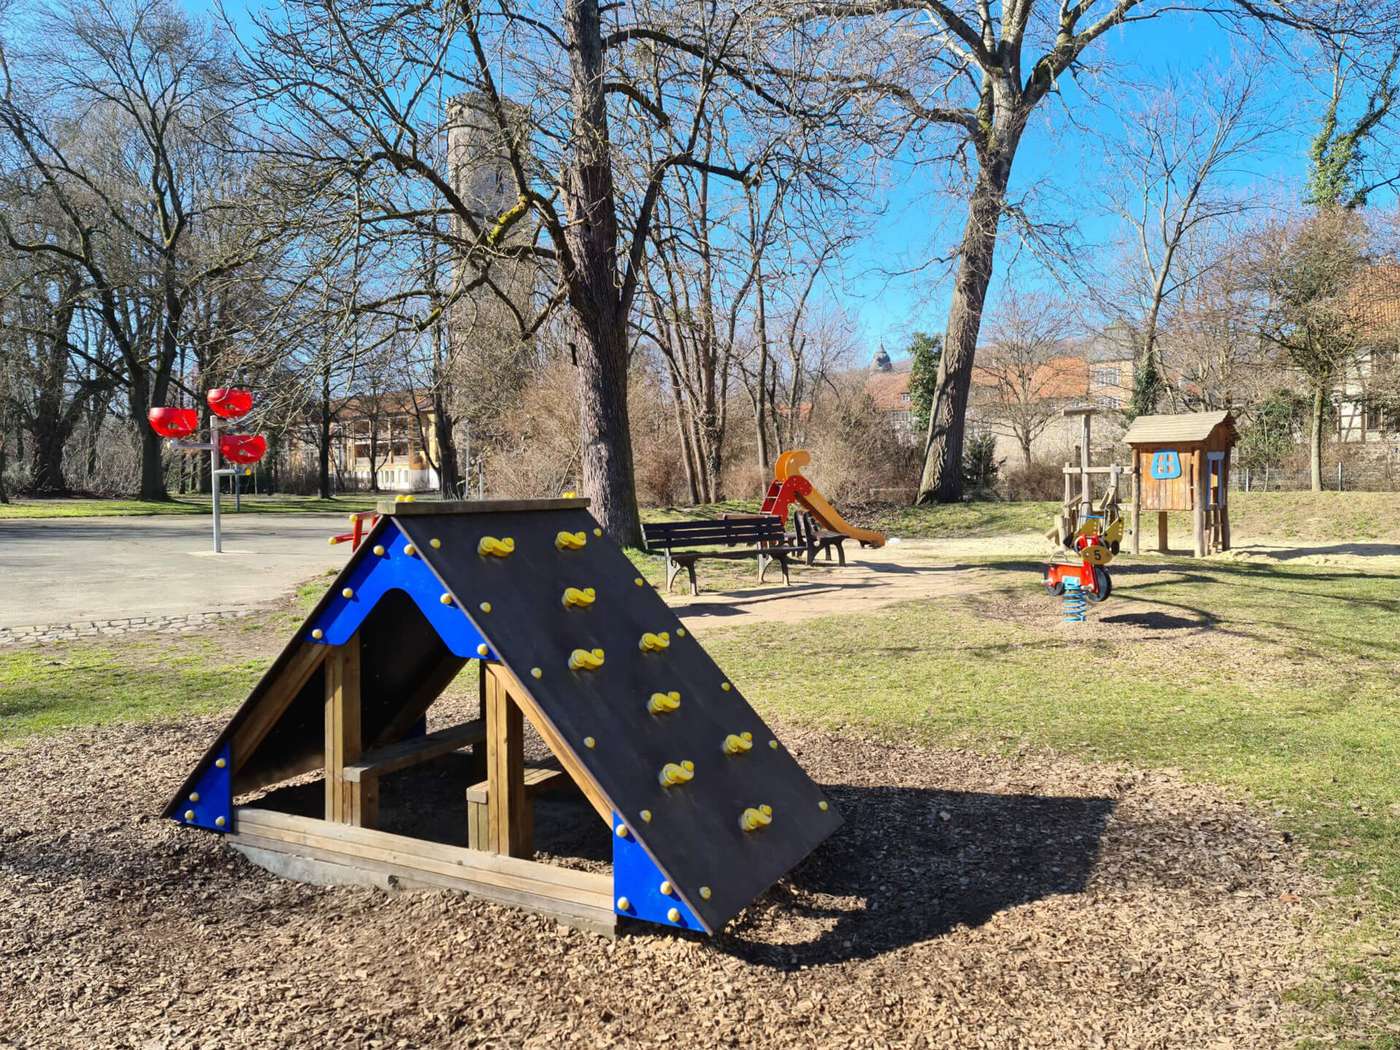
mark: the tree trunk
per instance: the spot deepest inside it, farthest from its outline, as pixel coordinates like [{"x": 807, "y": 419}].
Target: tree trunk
[
  {"x": 1319, "y": 407},
  {"x": 941, "y": 481},
  {"x": 600, "y": 320},
  {"x": 449, "y": 475},
  {"x": 152, "y": 466},
  {"x": 606, "y": 473},
  {"x": 760, "y": 408},
  {"x": 50, "y": 433}
]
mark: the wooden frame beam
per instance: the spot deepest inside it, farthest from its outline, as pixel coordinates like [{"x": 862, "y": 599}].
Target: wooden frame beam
[{"x": 313, "y": 850}]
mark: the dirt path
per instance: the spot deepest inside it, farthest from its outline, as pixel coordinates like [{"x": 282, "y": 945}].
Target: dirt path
[
  {"x": 968, "y": 901},
  {"x": 871, "y": 580}
]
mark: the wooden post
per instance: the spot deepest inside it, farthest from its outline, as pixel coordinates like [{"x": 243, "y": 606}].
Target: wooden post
[
  {"x": 1225, "y": 502},
  {"x": 508, "y": 816},
  {"x": 1137, "y": 507},
  {"x": 1198, "y": 510},
  {"x": 347, "y": 802},
  {"x": 1162, "y": 531},
  {"x": 1086, "y": 492}
]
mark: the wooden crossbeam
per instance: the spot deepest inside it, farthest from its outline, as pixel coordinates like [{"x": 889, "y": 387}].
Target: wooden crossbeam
[
  {"x": 343, "y": 852},
  {"x": 405, "y": 753}
]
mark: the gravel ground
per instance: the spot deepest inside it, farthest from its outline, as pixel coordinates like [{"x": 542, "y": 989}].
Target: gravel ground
[{"x": 969, "y": 902}]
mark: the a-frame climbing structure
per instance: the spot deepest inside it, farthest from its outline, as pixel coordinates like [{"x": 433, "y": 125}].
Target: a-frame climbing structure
[{"x": 707, "y": 807}]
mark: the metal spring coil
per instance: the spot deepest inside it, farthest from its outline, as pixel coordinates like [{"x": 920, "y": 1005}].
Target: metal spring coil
[{"x": 1074, "y": 604}]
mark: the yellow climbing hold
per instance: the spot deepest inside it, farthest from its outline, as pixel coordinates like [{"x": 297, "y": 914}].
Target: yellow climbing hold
[
  {"x": 494, "y": 548},
  {"x": 823, "y": 806},
  {"x": 773, "y": 744},
  {"x": 318, "y": 634},
  {"x": 379, "y": 549},
  {"x": 654, "y": 643},
  {"x": 597, "y": 532},
  {"x": 570, "y": 541},
  {"x": 535, "y": 672},
  {"x": 663, "y": 703},
  {"x": 220, "y": 762},
  {"x": 623, "y": 904},
  {"x": 410, "y": 549},
  {"x": 446, "y": 598},
  {"x": 673, "y": 773},
  {"x": 485, "y": 607},
  {"x": 194, "y": 796},
  {"x": 574, "y": 598},
  {"x": 219, "y": 822},
  {"x": 589, "y": 742},
  {"x": 680, "y": 632},
  {"x": 666, "y": 888},
  {"x": 674, "y": 914},
  {"x": 482, "y": 650},
  {"x": 754, "y": 818},
  {"x": 348, "y": 592},
  {"x": 704, "y": 893},
  {"x": 639, "y": 581},
  {"x": 646, "y": 816},
  {"x": 734, "y": 744},
  {"x": 585, "y": 660},
  {"x": 435, "y": 543},
  {"x": 189, "y": 814},
  {"x": 725, "y": 686},
  {"x": 622, "y": 831}
]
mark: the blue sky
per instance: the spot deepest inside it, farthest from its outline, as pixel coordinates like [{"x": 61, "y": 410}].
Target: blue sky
[{"x": 1058, "y": 161}]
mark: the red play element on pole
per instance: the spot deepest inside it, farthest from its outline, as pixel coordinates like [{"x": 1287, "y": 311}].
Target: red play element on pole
[
  {"x": 242, "y": 448},
  {"x": 230, "y": 402},
  {"x": 173, "y": 422}
]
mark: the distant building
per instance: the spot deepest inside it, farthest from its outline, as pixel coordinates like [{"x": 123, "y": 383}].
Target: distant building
[
  {"x": 390, "y": 438},
  {"x": 887, "y": 386},
  {"x": 1369, "y": 400}
]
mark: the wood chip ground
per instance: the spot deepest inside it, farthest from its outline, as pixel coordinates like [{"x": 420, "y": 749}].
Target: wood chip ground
[{"x": 968, "y": 902}]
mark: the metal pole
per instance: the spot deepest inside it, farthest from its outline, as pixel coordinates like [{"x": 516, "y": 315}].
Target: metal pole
[
  {"x": 237, "y": 491},
  {"x": 214, "y": 479}
]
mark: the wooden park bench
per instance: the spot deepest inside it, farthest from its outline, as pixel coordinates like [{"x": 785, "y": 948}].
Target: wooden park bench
[
  {"x": 684, "y": 543},
  {"x": 815, "y": 540}
]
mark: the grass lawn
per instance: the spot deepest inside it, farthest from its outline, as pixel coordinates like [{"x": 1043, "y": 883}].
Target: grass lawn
[
  {"x": 1279, "y": 682},
  {"x": 122, "y": 508}
]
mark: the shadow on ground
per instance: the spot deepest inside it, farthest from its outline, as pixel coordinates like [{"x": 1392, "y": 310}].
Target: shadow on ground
[
  {"x": 909, "y": 865},
  {"x": 912, "y": 864}
]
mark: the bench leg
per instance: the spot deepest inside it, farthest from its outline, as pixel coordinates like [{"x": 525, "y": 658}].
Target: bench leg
[
  {"x": 694, "y": 583},
  {"x": 840, "y": 553},
  {"x": 763, "y": 561},
  {"x": 673, "y": 568},
  {"x": 508, "y": 821}
]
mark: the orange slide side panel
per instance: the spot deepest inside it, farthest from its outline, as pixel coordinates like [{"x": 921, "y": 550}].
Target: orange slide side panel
[{"x": 788, "y": 472}]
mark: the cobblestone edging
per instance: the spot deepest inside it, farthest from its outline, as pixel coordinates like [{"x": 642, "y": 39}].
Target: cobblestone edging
[{"x": 62, "y": 632}]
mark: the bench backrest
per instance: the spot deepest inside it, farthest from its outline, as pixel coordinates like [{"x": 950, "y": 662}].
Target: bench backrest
[{"x": 764, "y": 529}]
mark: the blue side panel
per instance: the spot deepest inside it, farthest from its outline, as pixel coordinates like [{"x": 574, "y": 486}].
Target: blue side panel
[
  {"x": 210, "y": 802},
  {"x": 637, "y": 880},
  {"x": 375, "y": 574}
]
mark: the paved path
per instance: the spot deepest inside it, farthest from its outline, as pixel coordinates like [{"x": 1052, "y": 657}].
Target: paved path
[{"x": 75, "y": 570}]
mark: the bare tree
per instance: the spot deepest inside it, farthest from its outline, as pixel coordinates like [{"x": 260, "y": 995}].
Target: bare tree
[
  {"x": 1307, "y": 272},
  {"x": 359, "y": 92},
  {"x": 1026, "y": 371},
  {"x": 118, "y": 113},
  {"x": 1170, "y": 170},
  {"x": 975, "y": 72}
]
